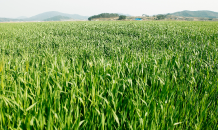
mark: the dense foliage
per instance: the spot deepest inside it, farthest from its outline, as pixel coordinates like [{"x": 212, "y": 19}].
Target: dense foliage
[
  {"x": 160, "y": 16},
  {"x": 122, "y": 17},
  {"x": 112, "y": 75},
  {"x": 104, "y": 15}
]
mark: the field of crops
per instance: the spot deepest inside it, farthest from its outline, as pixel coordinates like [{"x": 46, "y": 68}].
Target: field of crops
[{"x": 109, "y": 75}]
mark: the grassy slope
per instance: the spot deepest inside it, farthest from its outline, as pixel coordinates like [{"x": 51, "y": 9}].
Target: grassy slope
[
  {"x": 9, "y": 20},
  {"x": 153, "y": 75},
  {"x": 57, "y": 18},
  {"x": 203, "y": 14},
  {"x": 46, "y": 15}
]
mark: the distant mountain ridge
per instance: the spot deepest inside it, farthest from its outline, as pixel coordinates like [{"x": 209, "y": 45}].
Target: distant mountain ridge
[
  {"x": 46, "y": 15},
  {"x": 9, "y": 20},
  {"x": 57, "y": 18},
  {"x": 21, "y": 17},
  {"x": 200, "y": 13}
]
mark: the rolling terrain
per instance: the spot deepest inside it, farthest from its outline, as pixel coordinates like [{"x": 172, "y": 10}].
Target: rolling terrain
[
  {"x": 57, "y": 18},
  {"x": 202, "y": 14},
  {"x": 47, "y": 15}
]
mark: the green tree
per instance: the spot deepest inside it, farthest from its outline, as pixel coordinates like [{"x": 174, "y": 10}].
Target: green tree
[
  {"x": 121, "y": 17},
  {"x": 160, "y": 16},
  {"x": 103, "y": 15}
]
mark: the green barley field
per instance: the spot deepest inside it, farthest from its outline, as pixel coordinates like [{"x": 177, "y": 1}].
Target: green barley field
[{"x": 109, "y": 75}]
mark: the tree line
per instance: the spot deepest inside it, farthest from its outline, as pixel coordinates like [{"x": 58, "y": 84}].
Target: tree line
[{"x": 104, "y": 15}]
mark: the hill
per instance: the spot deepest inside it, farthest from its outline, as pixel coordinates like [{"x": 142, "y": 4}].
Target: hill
[
  {"x": 104, "y": 15},
  {"x": 57, "y": 18},
  {"x": 124, "y": 14},
  {"x": 201, "y": 13},
  {"x": 22, "y": 17},
  {"x": 9, "y": 20},
  {"x": 47, "y": 15}
]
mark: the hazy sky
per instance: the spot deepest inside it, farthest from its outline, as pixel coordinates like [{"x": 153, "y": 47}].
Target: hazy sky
[{"x": 17, "y": 8}]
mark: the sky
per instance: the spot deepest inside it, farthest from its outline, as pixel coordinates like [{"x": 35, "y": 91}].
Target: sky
[{"x": 28, "y": 8}]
